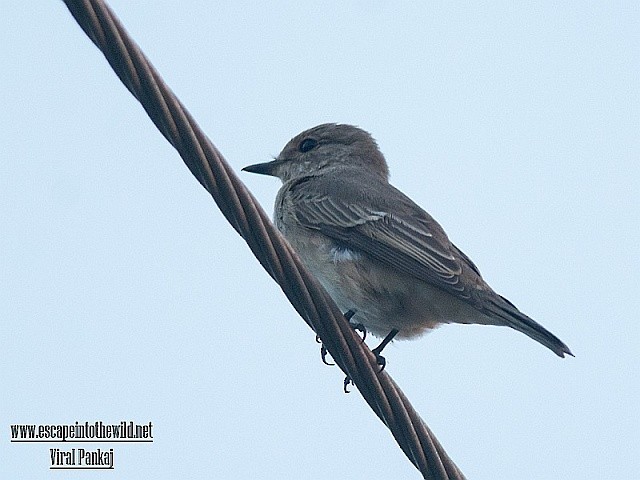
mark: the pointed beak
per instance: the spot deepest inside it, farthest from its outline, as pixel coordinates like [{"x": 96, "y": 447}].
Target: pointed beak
[{"x": 267, "y": 168}]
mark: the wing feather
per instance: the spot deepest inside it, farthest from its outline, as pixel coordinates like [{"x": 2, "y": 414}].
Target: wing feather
[{"x": 407, "y": 238}]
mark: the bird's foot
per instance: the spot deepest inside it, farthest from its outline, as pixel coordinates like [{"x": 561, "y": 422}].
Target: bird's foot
[
  {"x": 347, "y": 381},
  {"x": 359, "y": 327},
  {"x": 323, "y": 352},
  {"x": 348, "y": 315},
  {"x": 380, "y": 360}
]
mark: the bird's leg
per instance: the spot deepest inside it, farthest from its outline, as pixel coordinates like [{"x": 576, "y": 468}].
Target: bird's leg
[
  {"x": 376, "y": 351},
  {"x": 348, "y": 315},
  {"x": 380, "y": 360}
]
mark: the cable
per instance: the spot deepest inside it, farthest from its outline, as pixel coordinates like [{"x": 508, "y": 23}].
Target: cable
[{"x": 247, "y": 217}]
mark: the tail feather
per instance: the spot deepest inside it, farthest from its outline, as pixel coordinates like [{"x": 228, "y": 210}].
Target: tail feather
[{"x": 517, "y": 320}]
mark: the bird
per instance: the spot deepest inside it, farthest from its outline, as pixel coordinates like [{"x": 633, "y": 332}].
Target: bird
[{"x": 381, "y": 257}]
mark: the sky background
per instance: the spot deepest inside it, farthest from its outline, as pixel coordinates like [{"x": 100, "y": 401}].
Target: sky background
[{"x": 125, "y": 295}]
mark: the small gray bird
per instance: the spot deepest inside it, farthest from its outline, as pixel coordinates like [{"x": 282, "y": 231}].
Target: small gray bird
[{"x": 381, "y": 257}]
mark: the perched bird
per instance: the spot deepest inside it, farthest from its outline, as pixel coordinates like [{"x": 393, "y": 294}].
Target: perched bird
[{"x": 381, "y": 257}]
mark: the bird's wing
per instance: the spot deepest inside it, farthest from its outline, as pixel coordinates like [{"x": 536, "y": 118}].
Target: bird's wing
[
  {"x": 393, "y": 230},
  {"x": 398, "y": 233}
]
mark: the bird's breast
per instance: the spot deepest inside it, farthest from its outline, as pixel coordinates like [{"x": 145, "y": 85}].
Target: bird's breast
[{"x": 383, "y": 297}]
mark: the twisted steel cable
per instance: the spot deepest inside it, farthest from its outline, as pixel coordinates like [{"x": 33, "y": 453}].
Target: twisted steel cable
[{"x": 247, "y": 217}]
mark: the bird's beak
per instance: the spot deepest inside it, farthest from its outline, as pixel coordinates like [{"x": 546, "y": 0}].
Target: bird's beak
[{"x": 267, "y": 168}]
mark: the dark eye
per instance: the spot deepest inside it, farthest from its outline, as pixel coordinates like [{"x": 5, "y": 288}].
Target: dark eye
[{"x": 307, "y": 144}]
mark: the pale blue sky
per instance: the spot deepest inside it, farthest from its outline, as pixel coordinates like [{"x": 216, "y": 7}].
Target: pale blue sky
[{"x": 126, "y": 296}]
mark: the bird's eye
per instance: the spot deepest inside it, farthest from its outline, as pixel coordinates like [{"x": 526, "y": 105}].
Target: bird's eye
[{"x": 307, "y": 144}]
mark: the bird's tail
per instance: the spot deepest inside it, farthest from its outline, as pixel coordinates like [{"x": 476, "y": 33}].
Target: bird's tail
[{"x": 517, "y": 320}]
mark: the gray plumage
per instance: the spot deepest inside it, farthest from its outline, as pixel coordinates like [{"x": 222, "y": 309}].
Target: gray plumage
[{"x": 375, "y": 250}]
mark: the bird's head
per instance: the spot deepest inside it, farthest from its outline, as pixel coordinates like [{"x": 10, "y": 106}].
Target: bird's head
[{"x": 323, "y": 149}]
